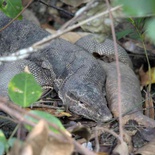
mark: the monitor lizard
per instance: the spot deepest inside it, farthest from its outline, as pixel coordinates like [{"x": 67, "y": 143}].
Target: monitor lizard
[{"x": 78, "y": 77}]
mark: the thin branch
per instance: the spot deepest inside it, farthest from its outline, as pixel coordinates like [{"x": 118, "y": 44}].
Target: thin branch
[
  {"x": 97, "y": 145},
  {"x": 118, "y": 74}
]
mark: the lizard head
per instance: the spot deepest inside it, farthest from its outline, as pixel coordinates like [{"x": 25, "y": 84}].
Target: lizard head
[{"x": 86, "y": 100}]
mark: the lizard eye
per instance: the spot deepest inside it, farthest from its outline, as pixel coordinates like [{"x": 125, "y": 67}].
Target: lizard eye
[
  {"x": 81, "y": 102},
  {"x": 76, "y": 98}
]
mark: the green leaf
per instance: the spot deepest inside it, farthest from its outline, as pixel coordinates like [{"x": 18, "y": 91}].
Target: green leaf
[
  {"x": 2, "y": 148},
  {"x": 150, "y": 32},
  {"x": 11, "y": 141},
  {"x": 134, "y": 36},
  {"x": 11, "y": 7},
  {"x": 47, "y": 117},
  {"x": 138, "y": 8},
  {"x": 123, "y": 33},
  {"x": 3, "y": 142},
  {"x": 2, "y": 137},
  {"x": 24, "y": 90}
]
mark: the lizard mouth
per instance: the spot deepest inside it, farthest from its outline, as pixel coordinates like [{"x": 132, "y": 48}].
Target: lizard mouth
[{"x": 98, "y": 115}]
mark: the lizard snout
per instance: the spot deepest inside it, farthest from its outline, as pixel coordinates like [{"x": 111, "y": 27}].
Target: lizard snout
[
  {"x": 105, "y": 115},
  {"x": 87, "y": 107}
]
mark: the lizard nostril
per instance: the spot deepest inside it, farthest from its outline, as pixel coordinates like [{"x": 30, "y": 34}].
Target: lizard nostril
[{"x": 81, "y": 102}]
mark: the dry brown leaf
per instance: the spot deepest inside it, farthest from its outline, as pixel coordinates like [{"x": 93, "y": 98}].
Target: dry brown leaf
[
  {"x": 149, "y": 103},
  {"x": 15, "y": 150},
  {"x": 73, "y": 36},
  {"x": 62, "y": 114},
  {"x": 145, "y": 80},
  {"x": 51, "y": 111},
  {"x": 148, "y": 149},
  {"x": 128, "y": 140},
  {"x": 37, "y": 138},
  {"x": 70, "y": 36},
  {"x": 27, "y": 70},
  {"x": 56, "y": 147},
  {"x": 27, "y": 150},
  {"x": 144, "y": 76},
  {"x": 121, "y": 149},
  {"x": 38, "y": 142},
  {"x": 102, "y": 153},
  {"x": 34, "y": 143}
]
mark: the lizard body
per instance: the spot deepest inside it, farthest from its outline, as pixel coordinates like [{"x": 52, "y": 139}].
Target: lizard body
[{"x": 78, "y": 87}]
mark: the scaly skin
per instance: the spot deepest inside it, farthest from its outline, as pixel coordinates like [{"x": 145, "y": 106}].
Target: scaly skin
[
  {"x": 131, "y": 98},
  {"x": 79, "y": 79},
  {"x": 76, "y": 72},
  {"x": 78, "y": 76}
]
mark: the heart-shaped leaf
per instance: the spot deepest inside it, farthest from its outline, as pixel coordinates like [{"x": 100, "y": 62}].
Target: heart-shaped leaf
[{"x": 24, "y": 90}]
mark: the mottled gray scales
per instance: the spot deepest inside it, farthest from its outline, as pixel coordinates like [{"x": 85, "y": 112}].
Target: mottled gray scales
[
  {"x": 21, "y": 35},
  {"x": 10, "y": 69},
  {"x": 61, "y": 62},
  {"x": 80, "y": 75},
  {"x": 105, "y": 48},
  {"x": 89, "y": 98}
]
